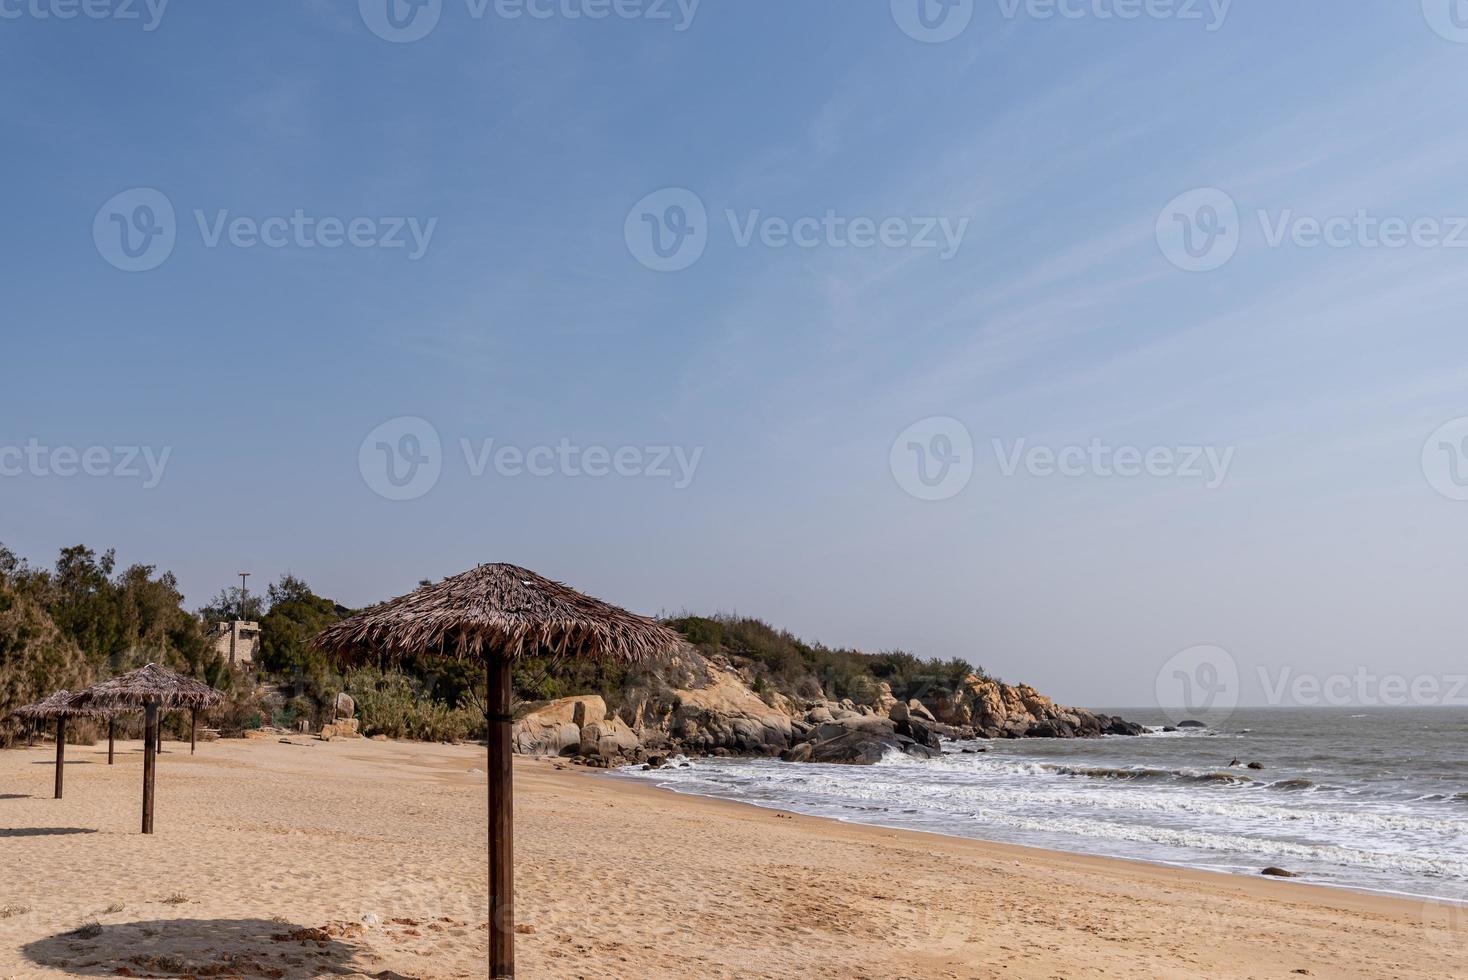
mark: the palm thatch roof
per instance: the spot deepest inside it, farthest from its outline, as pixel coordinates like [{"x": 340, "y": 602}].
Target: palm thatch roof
[
  {"x": 498, "y": 610},
  {"x": 149, "y": 685},
  {"x": 59, "y": 705}
]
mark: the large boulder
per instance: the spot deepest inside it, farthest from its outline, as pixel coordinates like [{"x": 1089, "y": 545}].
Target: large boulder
[
  {"x": 857, "y": 748},
  {"x": 554, "y": 728},
  {"x": 345, "y": 706},
  {"x": 920, "y": 732},
  {"x": 608, "y": 738},
  {"x": 996, "y": 710},
  {"x": 726, "y": 715}
]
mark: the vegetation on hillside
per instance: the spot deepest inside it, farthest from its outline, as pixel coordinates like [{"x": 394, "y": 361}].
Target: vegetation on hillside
[
  {"x": 772, "y": 660},
  {"x": 84, "y": 620},
  {"x": 781, "y": 661}
]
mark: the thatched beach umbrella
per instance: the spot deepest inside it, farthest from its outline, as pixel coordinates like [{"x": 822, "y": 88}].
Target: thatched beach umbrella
[
  {"x": 58, "y": 708},
  {"x": 152, "y": 689},
  {"x": 498, "y": 613}
]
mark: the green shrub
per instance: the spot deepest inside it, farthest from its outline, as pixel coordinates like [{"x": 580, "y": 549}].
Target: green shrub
[{"x": 397, "y": 705}]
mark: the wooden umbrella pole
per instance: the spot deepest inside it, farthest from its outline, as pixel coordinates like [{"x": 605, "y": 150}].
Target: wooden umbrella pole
[
  {"x": 60, "y": 752},
  {"x": 150, "y": 762},
  {"x": 501, "y": 825},
  {"x": 111, "y": 738}
]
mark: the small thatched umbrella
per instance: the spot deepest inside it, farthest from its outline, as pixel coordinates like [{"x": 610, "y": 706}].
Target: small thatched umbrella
[
  {"x": 58, "y": 708},
  {"x": 152, "y": 689},
  {"x": 498, "y": 613}
]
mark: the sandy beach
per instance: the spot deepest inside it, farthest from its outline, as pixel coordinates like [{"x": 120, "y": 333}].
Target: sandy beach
[{"x": 367, "y": 859}]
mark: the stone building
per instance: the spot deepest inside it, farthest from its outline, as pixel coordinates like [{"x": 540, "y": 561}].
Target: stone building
[{"x": 237, "y": 642}]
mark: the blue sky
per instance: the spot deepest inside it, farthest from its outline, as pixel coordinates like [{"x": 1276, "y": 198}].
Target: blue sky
[{"x": 1057, "y": 144}]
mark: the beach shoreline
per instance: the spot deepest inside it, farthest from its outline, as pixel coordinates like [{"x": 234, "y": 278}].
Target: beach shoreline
[
  {"x": 615, "y": 878},
  {"x": 1036, "y": 851}
]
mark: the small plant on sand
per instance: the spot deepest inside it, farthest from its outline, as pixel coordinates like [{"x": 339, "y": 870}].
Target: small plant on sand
[
  {"x": 113, "y": 909},
  {"x": 8, "y": 911},
  {"x": 89, "y": 929},
  {"x": 177, "y": 898}
]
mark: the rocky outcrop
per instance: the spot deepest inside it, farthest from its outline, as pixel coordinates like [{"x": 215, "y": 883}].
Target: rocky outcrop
[
  {"x": 341, "y": 728},
  {"x": 856, "y": 747},
  {"x": 554, "y": 728},
  {"x": 609, "y": 738},
  {"x": 687, "y": 703},
  {"x": 995, "y": 710}
]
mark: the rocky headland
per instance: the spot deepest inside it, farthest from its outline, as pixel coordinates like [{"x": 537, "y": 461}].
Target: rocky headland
[{"x": 702, "y": 703}]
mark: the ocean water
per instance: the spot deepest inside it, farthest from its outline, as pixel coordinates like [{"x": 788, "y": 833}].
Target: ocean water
[{"x": 1369, "y": 799}]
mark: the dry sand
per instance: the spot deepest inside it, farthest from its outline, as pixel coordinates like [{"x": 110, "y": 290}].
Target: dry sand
[{"x": 260, "y": 844}]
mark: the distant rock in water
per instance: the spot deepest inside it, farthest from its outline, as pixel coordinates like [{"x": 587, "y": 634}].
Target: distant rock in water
[
  {"x": 1278, "y": 873},
  {"x": 1191, "y": 724}
]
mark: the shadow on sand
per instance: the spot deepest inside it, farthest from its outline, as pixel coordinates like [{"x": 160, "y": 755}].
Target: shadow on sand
[
  {"x": 14, "y": 796},
  {"x": 200, "y": 947},
  {"x": 43, "y": 831}
]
